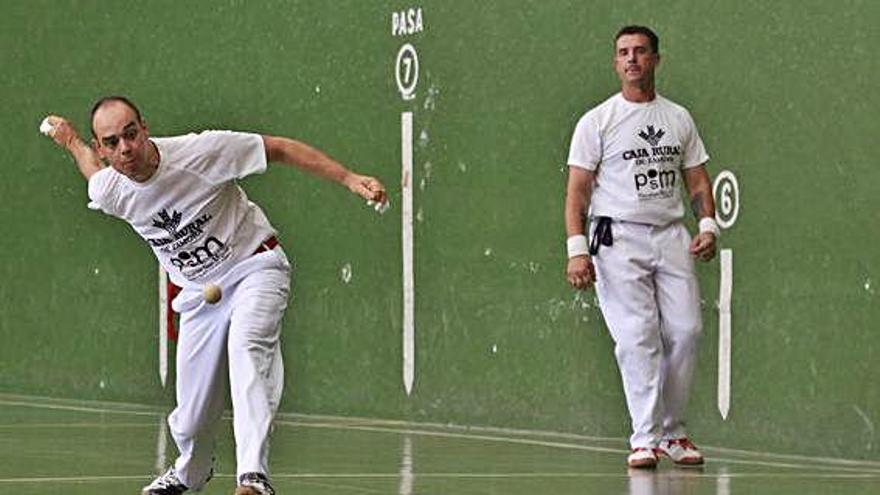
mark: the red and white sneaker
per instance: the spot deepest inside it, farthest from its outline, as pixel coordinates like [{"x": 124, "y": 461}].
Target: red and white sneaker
[
  {"x": 642, "y": 458},
  {"x": 681, "y": 451}
]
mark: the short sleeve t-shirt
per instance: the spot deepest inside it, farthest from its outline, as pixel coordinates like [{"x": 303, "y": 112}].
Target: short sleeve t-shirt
[
  {"x": 637, "y": 151},
  {"x": 192, "y": 213}
]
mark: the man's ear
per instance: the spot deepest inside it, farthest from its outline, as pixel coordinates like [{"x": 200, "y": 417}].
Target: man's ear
[{"x": 96, "y": 146}]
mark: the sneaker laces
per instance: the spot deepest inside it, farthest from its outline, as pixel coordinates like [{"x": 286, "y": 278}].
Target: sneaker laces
[
  {"x": 644, "y": 449},
  {"x": 684, "y": 443},
  {"x": 167, "y": 480},
  {"x": 257, "y": 481}
]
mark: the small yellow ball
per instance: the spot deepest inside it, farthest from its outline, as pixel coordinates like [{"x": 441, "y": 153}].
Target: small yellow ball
[{"x": 212, "y": 293}]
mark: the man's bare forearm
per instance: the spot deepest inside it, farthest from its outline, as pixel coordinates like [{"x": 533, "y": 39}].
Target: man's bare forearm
[
  {"x": 700, "y": 206},
  {"x": 292, "y": 152},
  {"x": 700, "y": 190},
  {"x": 86, "y": 158},
  {"x": 301, "y": 155},
  {"x": 577, "y": 200},
  {"x": 66, "y": 136}
]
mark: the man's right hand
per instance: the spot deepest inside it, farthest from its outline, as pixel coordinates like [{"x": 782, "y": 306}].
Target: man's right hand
[
  {"x": 64, "y": 135},
  {"x": 580, "y": 272},
  {"x": 62, "y": 131}
]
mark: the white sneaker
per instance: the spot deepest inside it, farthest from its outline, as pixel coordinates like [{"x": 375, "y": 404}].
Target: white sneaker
[
  {"x": 642, "y": 458},
  {"x": 681, "y": 451},
  {"x": 254, "y": 484},
  {"x": 166, "y": 484}
]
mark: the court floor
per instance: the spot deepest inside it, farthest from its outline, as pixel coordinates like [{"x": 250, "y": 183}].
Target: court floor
[{"x": 70, "y": 447}]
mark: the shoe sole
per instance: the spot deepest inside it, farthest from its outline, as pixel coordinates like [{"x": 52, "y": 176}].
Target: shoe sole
[
  {"x": 148, "y": 492},
  {"x": 246, "y": 490},
  {"x": 686, "y": 461},
  {"x": 642, "y": 464}
]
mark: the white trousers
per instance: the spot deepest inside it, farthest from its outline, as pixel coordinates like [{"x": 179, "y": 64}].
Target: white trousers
[
  {"x": 650, "y": 300},
  {"x": 232, "y": 345}
]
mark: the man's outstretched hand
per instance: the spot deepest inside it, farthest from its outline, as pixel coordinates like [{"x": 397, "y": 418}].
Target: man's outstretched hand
[{"x": 370, "y": 189}]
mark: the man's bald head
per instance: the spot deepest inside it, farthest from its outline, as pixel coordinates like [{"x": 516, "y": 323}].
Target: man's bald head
[{"x": 107, "y": 100}]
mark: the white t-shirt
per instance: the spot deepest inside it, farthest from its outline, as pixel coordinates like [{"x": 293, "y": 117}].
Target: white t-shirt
[
  {"x": 639, "y": 150},
  {"x": 191, "y": 212}
]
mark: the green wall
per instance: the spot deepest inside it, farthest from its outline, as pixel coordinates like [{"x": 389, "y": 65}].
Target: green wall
[{"x": 781, "y": 91}]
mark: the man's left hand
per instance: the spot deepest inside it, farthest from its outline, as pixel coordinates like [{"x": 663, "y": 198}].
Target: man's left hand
[
  {"x": 703, "y": 246},
  {"x": 366, "y": 187}
]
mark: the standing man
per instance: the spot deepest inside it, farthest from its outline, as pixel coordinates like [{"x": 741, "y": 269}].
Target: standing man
[
  {"x": 627, "y": 158},
  {"x": 180, "y": 194}
]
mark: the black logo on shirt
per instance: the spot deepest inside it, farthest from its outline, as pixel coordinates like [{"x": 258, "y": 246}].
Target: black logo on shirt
[
  {"x": 191, "y": 247},
  {"x": 656, "y": 173},
  {"x": 211, "y": 250},
  {"x": 177, "y": 237},
  {"x": 651, "y": 136},
  {"x": 655, "y": 180},
  {"x": 168, "y": 222}
]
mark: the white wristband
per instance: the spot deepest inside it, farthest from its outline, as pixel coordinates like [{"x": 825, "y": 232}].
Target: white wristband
[
  {"x": 708, "y": 224},
  {"x": 577, "y": 245}
]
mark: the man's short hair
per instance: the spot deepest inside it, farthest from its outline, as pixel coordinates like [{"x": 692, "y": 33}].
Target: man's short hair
[
  {"x": 655, "y": 42},
  {"x": 110, "y": 99}
]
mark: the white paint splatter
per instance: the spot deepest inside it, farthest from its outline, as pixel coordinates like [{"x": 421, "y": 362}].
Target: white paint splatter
[
  {"x": 345, "y": 273},
  {"x": 554, "y": 307},
  {"x": 532, "y": 267},
  {"x": 431, "y": 99},
  {"x": 427, "y": 169},
  {"x": 865, "y": 419},
  {"x": 494, "y": 348},
  {"x": 97, "y": 271},
  {"x": 583, "y": 301}
]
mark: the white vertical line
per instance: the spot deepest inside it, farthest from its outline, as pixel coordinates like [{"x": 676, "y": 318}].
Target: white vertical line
[
  {"x": 161, "y": 446},
  {"x": 725, "y": 293},
  {"x": 163, "y": 326},
  {"x": 406, "y": 468},
  {"x": 722, "y": 485},
  {"x": 406, "y": 152}
]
